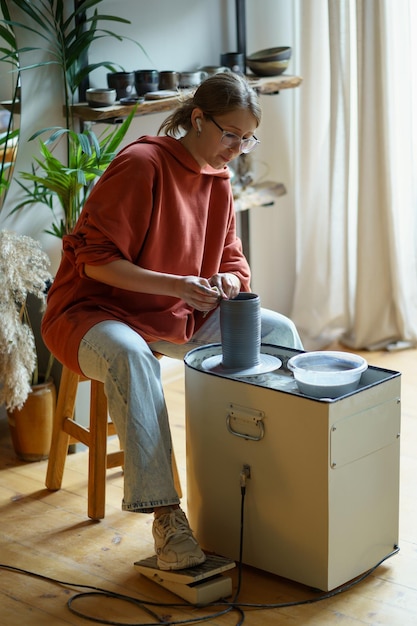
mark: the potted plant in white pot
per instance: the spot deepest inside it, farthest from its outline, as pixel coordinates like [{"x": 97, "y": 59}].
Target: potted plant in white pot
[{"x": 24, "y": 271}]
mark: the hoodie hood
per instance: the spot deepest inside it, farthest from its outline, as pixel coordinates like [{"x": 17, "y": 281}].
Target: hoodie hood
[{"x": 175, "y": 148}]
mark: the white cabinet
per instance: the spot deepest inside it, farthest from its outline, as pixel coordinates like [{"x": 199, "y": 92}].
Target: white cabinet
[{"x": 322, "y": 502}]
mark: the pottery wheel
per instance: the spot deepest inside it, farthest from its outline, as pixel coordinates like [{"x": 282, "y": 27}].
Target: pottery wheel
[{"x": 267, "y": 363}]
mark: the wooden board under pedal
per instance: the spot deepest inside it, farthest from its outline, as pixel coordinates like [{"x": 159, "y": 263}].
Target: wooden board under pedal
[{"x": 198, "y": 585}]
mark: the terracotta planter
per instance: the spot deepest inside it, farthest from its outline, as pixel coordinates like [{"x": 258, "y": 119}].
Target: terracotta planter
[{"x": 31, "y": 426}]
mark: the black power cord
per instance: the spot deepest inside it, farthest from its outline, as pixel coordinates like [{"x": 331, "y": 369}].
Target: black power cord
[{"x": 228, "y": 606}]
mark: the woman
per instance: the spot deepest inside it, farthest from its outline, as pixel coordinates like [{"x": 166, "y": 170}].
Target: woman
[{"x": 154, "y": 249}]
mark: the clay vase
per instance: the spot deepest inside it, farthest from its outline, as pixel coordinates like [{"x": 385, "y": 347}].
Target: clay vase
[
  {"x": 145, "y": 81},
  {"x": 240, "y": 327},
  {"x": 122, "y": 82},
  {"x": 31, "y": 426}
]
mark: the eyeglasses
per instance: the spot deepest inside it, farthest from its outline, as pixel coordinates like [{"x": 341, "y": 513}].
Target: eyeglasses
[{"x": 233, "y": 141}]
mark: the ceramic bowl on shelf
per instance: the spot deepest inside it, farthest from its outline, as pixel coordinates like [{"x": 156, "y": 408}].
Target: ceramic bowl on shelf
[
  {"x": 100, "y": 97},
  {"x": 327, "y": 374},
  {"x": 269, "y": 61}
]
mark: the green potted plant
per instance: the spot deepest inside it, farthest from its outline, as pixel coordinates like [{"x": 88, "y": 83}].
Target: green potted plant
[
  {"x": 9, "y": 135},
  {"x": 62, "y": 184},
  {"x": 7, "y": 156},
  {"x": 66, "y": 38},
  {"x": 24, "y": 272},
  {"x": 70, "y": 183}
]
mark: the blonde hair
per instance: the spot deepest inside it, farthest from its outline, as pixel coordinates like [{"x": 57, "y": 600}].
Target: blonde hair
[{"x": 217, "y": 95}]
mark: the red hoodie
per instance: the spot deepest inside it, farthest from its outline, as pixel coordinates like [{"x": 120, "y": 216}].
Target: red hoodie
[{"x": 155, "y": 207}]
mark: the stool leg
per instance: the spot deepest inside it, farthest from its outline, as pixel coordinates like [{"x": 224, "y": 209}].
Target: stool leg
[
  {"x": 60, "y": 439},
  {"x": 97, "y": 459},
  {"x": 95, "y": 438}
]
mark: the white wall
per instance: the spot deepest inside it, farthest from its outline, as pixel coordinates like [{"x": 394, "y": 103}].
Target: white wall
[
  {"x": 176, "y": 35},
  {"x": 270, "y": 24},
  {"x": 181, "y": 35}
]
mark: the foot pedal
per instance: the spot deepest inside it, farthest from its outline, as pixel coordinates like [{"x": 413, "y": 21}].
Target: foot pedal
[{"x": 198, "y": 585}]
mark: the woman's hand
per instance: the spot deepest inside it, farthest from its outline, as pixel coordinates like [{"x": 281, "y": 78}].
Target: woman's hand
[
  {"x": 227, "y": 284},
  {"x": 204, "y": 295},
  {"x": 198, "y": 293}
]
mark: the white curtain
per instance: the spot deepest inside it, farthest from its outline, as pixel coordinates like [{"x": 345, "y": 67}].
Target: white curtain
[{"x": 356, "y": 172}]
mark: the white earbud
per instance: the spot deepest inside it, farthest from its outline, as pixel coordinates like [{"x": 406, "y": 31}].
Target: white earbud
[{"x": 198, "y": 122}]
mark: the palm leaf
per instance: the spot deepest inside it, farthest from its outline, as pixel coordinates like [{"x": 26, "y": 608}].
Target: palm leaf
[
  {"x": 66, "y": 37},
  {"x": 70, "y": 184},
  {"x": 67, "y": 41}
]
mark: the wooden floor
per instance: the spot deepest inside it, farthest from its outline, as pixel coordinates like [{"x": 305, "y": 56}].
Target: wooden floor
[{"x": 48, "y": 534}]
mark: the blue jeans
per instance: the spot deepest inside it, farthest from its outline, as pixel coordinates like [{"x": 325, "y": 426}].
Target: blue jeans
[{"x": 118, "y": 356}]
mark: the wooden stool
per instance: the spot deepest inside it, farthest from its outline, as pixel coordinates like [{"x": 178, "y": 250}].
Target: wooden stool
[{"x": 67, "y": 431}]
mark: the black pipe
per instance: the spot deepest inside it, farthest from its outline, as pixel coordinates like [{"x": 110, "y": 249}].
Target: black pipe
[
  {"x": 80, "y": 20},
  {"x": 241, "y": 47},
  {"x": 241, "y": 29}
]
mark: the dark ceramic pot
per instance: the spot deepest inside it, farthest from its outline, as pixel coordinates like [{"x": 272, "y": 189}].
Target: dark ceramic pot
[
  {"x": 122, "y": 82},
  {"x": 146, "y": 81}
]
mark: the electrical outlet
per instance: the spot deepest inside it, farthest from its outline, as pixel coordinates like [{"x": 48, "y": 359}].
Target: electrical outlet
[
  {"x": 244, "y": 475},
  {"x": 246, "y": 470}
]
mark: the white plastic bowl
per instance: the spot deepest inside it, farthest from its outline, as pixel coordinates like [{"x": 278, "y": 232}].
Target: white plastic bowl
[{"x": 327, "y": 374}]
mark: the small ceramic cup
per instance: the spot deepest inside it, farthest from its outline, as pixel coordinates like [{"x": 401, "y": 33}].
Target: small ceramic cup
[
  {"x": 215, "y": 69},
  {"x": 233, "y": 60},
  {"x": 145, "y": 81},
  {"x": 192, "y": 79},
  {"x": 100, "y": 97},
  {"x": 169, "y": 79},
  {"x": 122, "y": 82}
]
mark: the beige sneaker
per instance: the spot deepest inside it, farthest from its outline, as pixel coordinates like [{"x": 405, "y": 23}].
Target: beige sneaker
[{"x": 175, "y": 544}]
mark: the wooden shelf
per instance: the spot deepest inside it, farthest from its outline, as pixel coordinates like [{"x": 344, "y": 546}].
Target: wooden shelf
[
  {"x": 270, "y": 85},
  {"x": 267, "y": 85},
  {"x": 8, "y": 105}
]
